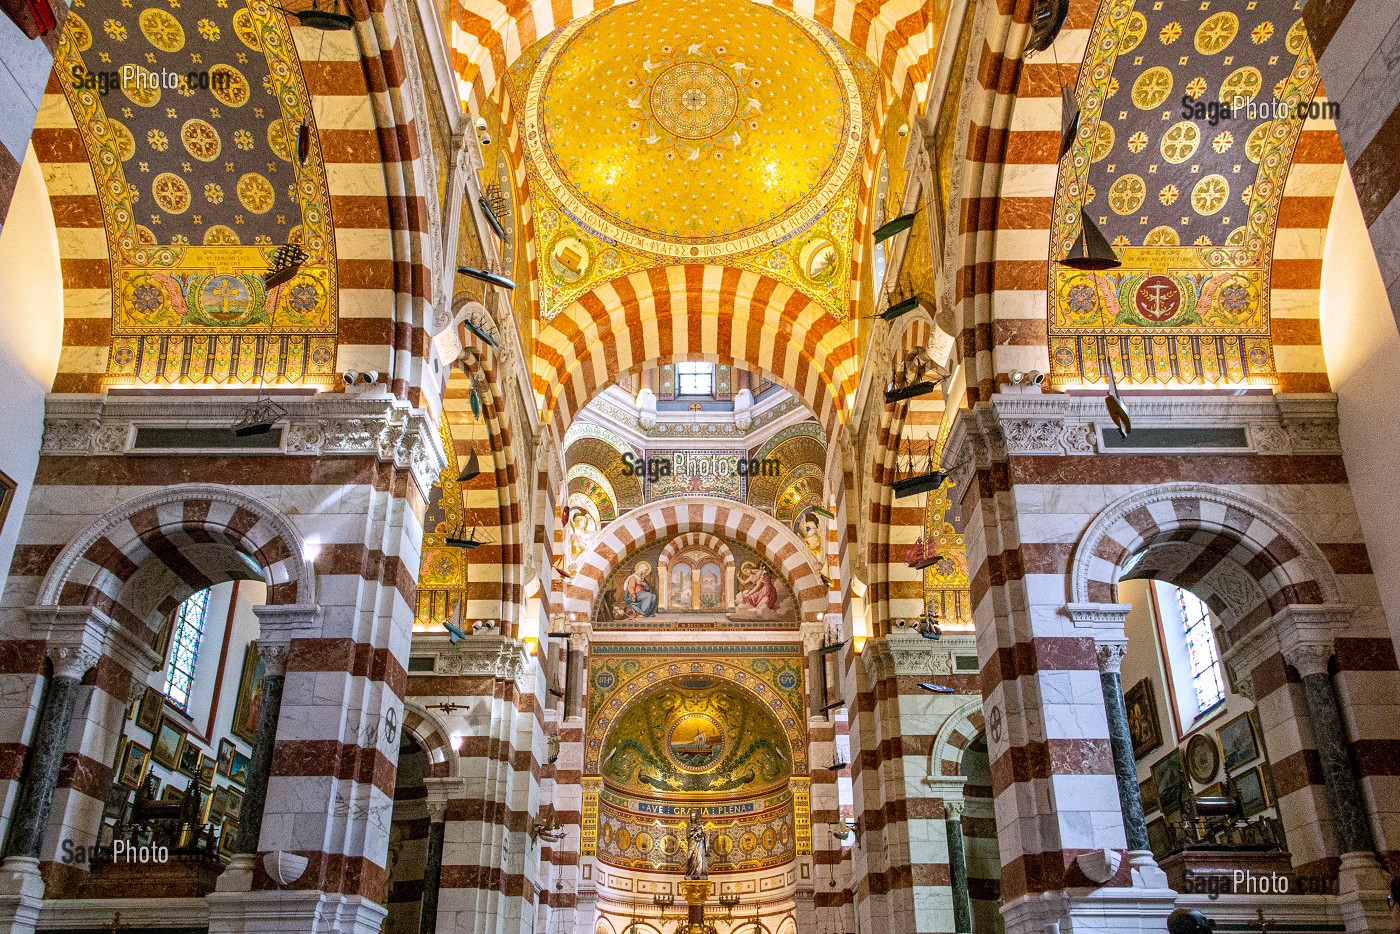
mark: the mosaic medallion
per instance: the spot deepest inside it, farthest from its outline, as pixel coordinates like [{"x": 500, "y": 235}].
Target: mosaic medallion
[
  {"x": 694, "y": 100},
  {"x": 695, "y": 742}
]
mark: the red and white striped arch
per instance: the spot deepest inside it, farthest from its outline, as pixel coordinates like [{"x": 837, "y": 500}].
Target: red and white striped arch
[
  {"x": 719, "y": 517},
  {"x": 899, "y": 36},
  {"x": 694, "y": 312},
  {"x": 138, "y": 563}
]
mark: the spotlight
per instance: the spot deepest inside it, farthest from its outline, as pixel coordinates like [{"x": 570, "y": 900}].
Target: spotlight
[
  {"x": 1016, "y": 377},
  {"x": 1035, "y": 378},
  {"x": 351, "y": 377},
  {"x": 369, "y": 377},
  {"x": 481, "y": 124}
]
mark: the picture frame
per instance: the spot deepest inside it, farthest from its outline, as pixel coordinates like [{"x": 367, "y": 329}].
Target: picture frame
[
  {"x": 1150, "y": 801},
  {"x": 1144, "y": 725},
  {"x": 166, "y": 748},
  {"x": 171, "y": 795},
  {"x": 7, "y": 497},
  {"x": 132, "y": 764},
  {"x": 1202, "y": 758},
  {"x": 227, "y": 832},
  {"x": 206, "y": 774},
  {"x": 114, "y": 807},
  {"x": 106, "y": 836},
  {"x": 1239, "y": 740},
  {"x": 218, "y": 806},
  {"x": 1250, "y": 787},
  {"x": 225, "y": 760},
  {"x": 238, "y": 771},
  {"x": 190, "y": 758},
  {"x": 249, "y": 703},
  {"x": 234, "y": 807},
  {"x": 149, "y": 709},
  {"x": 1158, "y": 841},
  {"x": 1169, "y": 772}
]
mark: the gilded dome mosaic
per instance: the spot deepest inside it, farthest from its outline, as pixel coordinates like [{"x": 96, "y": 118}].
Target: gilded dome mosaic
[{"x": 669, "y": 126}]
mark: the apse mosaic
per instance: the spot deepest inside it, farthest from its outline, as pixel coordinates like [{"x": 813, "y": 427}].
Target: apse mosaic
[
  {"x": 194, "y": 148},
  {"x": 1189, "y": 200},
  {"x": 701, "y": 141},
  {"x": 696, "y": 734},
  {"x": 744, "y": 836},
  {"x": 715, "y": 584}
]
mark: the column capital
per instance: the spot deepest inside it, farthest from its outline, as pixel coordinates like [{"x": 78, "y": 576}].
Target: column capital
[
  {"x": 77, "y": 632},
  {"x": 441, "y": 792},
  {"x": 1307, "y": 634},
  {"x": 72, "y": 661},
  {"x": 1110, "y": 654},
  {"x": 273, "y": 655}
]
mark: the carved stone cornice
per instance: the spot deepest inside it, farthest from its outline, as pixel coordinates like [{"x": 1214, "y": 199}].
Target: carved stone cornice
[
  {"x": 1060, "y": 424},
  {"x": 316, "y": 424},
  {"x": 908, "y": 654},
  {"x": 474, "y": 656}
]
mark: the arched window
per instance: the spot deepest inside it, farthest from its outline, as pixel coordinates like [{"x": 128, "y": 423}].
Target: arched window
[
  {"x": 1207, "y": 675},
  {"x": 187, "y": 633}
]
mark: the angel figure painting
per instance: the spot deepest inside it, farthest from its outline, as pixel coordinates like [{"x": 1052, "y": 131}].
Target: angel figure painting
[{"x": 758, "y": 597}]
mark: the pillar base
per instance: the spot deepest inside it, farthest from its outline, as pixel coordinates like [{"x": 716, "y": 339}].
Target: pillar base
[
  {"x": 1145, "y": 871},
  {"x": 1361, "y": 891},
  {"x": 275, "y": 912},
  {"x": 21, "y": 895},
  {"x": 238, "y": 874},
  {"x": 1116, "y": 910}
]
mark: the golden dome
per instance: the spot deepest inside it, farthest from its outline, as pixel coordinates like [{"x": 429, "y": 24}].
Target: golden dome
[{"x": 693, "y": 127}]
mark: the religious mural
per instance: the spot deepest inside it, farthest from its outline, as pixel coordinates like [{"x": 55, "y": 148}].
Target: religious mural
[
  {"x": 193, "y": 300},
  {"x": 696, "y": 584},
  {"x": 696, "y": 734},
  {"x": 1190, "y": 117},
  {"x": 755, "y": 835}
]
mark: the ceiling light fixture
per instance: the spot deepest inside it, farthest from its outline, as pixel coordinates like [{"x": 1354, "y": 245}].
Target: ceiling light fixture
[{"x": 328, "y": 20}]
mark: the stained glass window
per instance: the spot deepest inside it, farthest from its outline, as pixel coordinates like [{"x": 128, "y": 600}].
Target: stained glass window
[
  {"x": 1207, "y": 676},
  {"x": 695, "y": 379},
  {"x": 184, "y": 649}
]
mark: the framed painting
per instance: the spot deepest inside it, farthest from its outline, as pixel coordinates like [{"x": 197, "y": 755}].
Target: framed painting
[
  {"x": 1250, "y": 786},
  {"x": 148, "y": 711},
  {"x": 7, "y": 496},
  {"x": 166, "y": 748},
  {"x": 206, "y": 774},
  {"x": 1150, "y": 801},
  {"x": 1240, "y": 742},
  {"x": 234, "y": 808},
  {"x": 245, "y": 711},
  {"x": 1143, "y": 724},
  {"x": 226, "y": 751},
  {"x": 238, "y": 771},
  {"x": 227, "y": 833},
  {"x": 1169, "y": 773},
  {"x": 218, "y": 807},
  {"x": 114, "y": 807},
  {"x": 171, "y": 795},
  {"x": 1157, "y": 838},
  {"x": 133, "y": 764},
  {"x": 190, "y": 758}
]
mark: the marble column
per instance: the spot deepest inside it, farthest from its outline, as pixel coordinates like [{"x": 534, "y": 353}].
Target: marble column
[
  {"x": 46, "y": 750},
  {"x": 1349, "y": 823},
  {"x": 1106, "y": 622},
  {"x": 432, "y": 867},
  {"x": 274, "y": 658},
  {"x": 957, "y": 868}
]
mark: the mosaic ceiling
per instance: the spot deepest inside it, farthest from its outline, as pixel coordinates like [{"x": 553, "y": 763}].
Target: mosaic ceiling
[
  {"x": 1186, "y": 182},
  {"x": 193, "y": 145},
  {"x": 700, "y": 735},
  {"x": 664, "y": 131}
]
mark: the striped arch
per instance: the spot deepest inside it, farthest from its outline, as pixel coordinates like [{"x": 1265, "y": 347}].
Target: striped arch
[
  {"x": 958, "y": 732},
  {"x": 897, "y": 35},
  {"x": 376, "y": 179},
  {"x": 712, "y": 312},
  {"x": 492, "y": 501},
  {"x": 1002, "y": 202},
  {"x": 677, "y": 545},
  {"x": 895, "y": 589},
  {"x": 443, "y": 761},
  {"x": 140, "y": 561},
  {"x": 658, "y": 521},
  {"x": 1219, "y": 525}
]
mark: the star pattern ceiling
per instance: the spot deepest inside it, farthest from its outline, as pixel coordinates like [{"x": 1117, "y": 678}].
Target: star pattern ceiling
[
  {"x": 1186, "y": 181},
  {"x": 191, "y": 117}
]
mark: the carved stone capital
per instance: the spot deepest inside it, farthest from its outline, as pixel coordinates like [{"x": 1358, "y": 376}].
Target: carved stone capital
[
  {"x": 1110, "y": 653},
  {"x": 1307, "y": 634},
  {"x": 274, "y": 656},
  {"x": 1310, "y": 658},
  {"x": 72, "y": 661}
]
